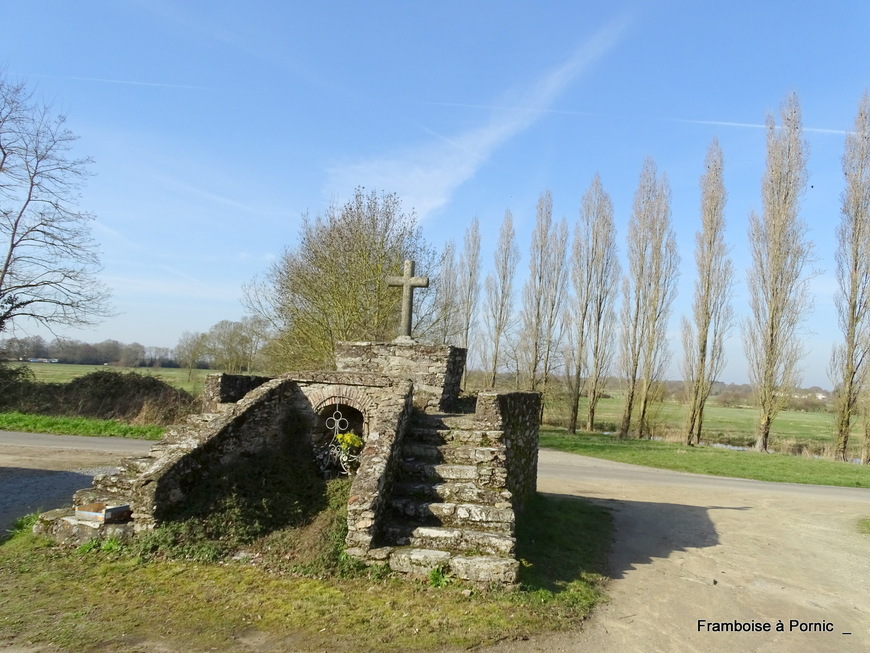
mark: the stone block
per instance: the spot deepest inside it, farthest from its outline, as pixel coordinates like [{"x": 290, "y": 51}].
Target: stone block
[
  {"x": 485, "y": 569},
  {"x": 418, "y": 562}
]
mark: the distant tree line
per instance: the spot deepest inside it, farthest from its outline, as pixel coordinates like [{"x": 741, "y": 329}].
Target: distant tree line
[
  {"x": 68, "y": 350},
  {"x": 229, "y": 346}
]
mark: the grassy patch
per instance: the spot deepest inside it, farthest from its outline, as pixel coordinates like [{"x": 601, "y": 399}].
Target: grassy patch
[
  {"x": 77, "y": 426},
  {"x": 20, "y": 526},
  {"x": 864, "y": 526},
  {"x": 709, "y": 460},
  {"x": 64, "y": 373},
  {"x": 54, "y": 596},
  {"x": 561, "y": 567}
]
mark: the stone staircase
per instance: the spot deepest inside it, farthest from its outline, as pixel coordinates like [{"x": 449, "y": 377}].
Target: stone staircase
[
  {"x": 448, "y": 507},
  {"x": 434, "y": 490},
  {"x": 116, "y": 488}
]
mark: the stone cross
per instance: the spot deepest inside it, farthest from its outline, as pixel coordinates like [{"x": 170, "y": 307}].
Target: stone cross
[{"x": 408, "y": 282}]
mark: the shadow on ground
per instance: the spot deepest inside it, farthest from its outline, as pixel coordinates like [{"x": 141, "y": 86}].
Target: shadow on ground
[
  {"x": 564, "y": 537},
  {"x": 646, "y": 530}
]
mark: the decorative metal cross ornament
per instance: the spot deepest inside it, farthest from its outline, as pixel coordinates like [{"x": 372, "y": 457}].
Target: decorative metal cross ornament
[
  {"x": 340, "y": 451},
  {"x": 407, "y": 282},
  {"x": 337, "y": 423}
]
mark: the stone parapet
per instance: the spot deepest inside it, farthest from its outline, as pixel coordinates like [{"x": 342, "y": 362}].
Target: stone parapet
[
  {"x": 516, "y": 415},
  {"x": 255, "y": 424},
  {"x": 435, "y": 370},
  {"x": 228, "y": 388},
  {"x": 369, "y": 491}
]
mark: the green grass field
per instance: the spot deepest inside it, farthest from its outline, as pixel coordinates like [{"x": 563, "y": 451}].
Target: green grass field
[
  {"x": 62, "y": 373},
  {"x": 709, "y": 460},
  {"x": 78, "y": 426},
  {"x": 793, "y": 431}
]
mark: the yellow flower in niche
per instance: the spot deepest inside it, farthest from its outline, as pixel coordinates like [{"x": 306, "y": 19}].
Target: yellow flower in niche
[{"x": 349, "y": 442}]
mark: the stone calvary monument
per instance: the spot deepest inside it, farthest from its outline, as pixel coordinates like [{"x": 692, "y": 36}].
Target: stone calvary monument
[{"x": 433, "y": 489}]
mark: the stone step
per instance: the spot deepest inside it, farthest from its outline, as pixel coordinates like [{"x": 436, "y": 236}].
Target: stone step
[
  {"x": 206, "y": 418},
  {"x": 440, "y": 436},
  {"x": 95, "y": 495},
  {"x": 455, "y": 491},
  {"x": 449, "y": 421},
  {"x": 180, "y": 435},
  {"x": 476, "y": 569},
  {"x": 485, "y": 475},
  {"x": 450, "y": 454},
  {"x": 486, "y": 569},
  {"x": 420, "y": 471},
  {"x": 451, "y": 539},
  {"x": 137, "y": 465},
  {"x": 498, "y": 518},
  {"x": 119, "y": 483},
  {"x": 167, "y": 446}
]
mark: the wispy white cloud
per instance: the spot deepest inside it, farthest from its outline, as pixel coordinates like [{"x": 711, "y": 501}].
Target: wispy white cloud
[
  {"x": 127, "y": 82},
  {"x": 426, "y": 175},
  {"x": 192, "y": 189},
  {"x": 752, "y": 125},
  {"x": 132, "y": 82}
]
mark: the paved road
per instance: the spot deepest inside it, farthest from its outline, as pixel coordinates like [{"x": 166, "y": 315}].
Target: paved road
[
  {"x": 40, "y": 472},
  {"x": 687, "y": 548}
]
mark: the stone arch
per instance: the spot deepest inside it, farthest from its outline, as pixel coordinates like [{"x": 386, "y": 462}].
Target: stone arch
[{"x": 356, "y": 397}]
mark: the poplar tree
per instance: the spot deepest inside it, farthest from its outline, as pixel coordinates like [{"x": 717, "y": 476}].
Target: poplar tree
[
  {"x": 703, "y": 340},
  {"x": 468, "y": 286},
  {"x": 446, "y": 287},
  {"x": 594, "y": 278},
  {"x": 543, "y": 295},
  {"x": 498, "y": 303},
  {"x": 778, "y": 279},
  {"x": 648, "y": 292},
  {"x": 849, "y": 360}
]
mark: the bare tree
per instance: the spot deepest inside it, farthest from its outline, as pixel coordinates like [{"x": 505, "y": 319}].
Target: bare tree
[
  {"x": 530, "y": 345},
  {"x": 703, "y": 341},
  {"x": 648, "y": 292},
  {"x": 849, "y": 360},
  {"x": 556, "y": 288},
  {"x": 227, "y": 344},
  {"x": 594, "y": 277},
  {"x": 778, "y": 292},
  {"x": 48, "y": 261},
  {"x": 446, "y": 289},
  {"x": 469, "y": 285},
  {"x": 190, "y": 350},
  {"x": 499, "y": 292},
  {"x": 602, "y": 315},
  {"x": 543, "y": 294}
]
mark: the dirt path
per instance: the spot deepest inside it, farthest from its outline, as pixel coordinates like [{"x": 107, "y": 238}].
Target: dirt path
[
  {"x": 690, "y": 547},
  {"x": 687, "y": 548}
]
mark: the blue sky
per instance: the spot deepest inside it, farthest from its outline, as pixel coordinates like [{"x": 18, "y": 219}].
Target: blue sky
[{"x": 215, "y": 125}]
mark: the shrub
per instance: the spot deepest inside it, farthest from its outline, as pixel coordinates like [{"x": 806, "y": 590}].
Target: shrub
[{"x": 103, "y": 394}]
